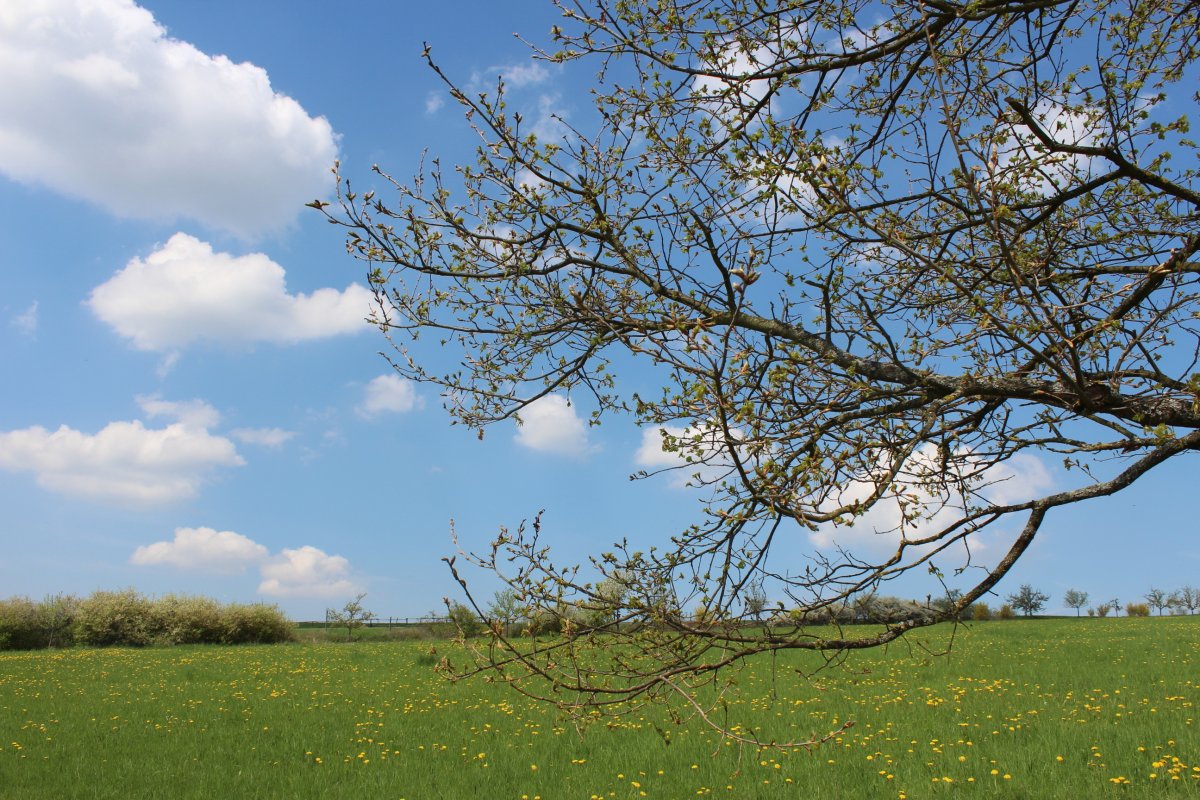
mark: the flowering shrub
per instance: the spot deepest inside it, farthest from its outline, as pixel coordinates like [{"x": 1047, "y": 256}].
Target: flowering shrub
[{"x": 128, "y": 618}]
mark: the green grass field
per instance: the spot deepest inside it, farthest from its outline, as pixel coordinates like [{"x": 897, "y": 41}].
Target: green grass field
[{"x": 1024, "y": 709}]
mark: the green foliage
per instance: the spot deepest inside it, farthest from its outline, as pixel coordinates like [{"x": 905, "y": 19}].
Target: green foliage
[
  {"x": 1137, "y": 609},
  {"x": 56, "y": 619},
  {"x": 127, "y": 618},
  {"x": 465, "y": 620},
  {"x": 255, "y": 623},
  {"x": 19, "y": 629},
  {"x": 506, "y": 609},
  {"x": 105, "y": 619},
  {"x": 182, "y": 619}
]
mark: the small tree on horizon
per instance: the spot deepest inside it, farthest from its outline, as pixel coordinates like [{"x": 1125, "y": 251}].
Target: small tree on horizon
[
  {"x": 351, "y": 616},
  {"x": 1187, "y": 599},
  {"x": 1073, "y": 598},
  {"x": 506, "y": 608},
  {"x": 1158, "y": 600},
  {"x": 1028, "y": 600}
]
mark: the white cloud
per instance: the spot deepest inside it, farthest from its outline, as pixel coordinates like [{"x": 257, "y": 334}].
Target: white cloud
[
  {"x": 124, "y": 463},
  {"x": 99, "y": 103},
  {"x": 521, "y": 75},
  {"x": 204, "y": 550},
  {"x": 725, "y": 99},
  {"x": 550, "y": 425},
  {"x": 263, "y": 437},
  {"x": 651, "y": 454},
  {"x": 26, "y": 323},
  {"x": 1025, "y": 160},
  {"x": 195, "y": 414},
  {"x": 389, "y": 394},
  {"x": 550, "y": 125},
  {"x": 878, "y": 531},
  {"x": 705, "y": 446},
  {"x": 434, "y": 102},
  {"x": 306, "y": 572},
  {"x": 184, "y": 292},
  {"x": 515, "y": 76}
]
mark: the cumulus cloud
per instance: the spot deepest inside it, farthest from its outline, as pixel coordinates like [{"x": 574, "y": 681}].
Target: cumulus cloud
[
  {"x": 877, "y": 531},
  {"x": 389, "y": 394},
  {"x": 515, "y": 76},
  {"x": 521, "y": 75},
  {"x": 26, "y": 323},
  {"x": 195, "y": 414},
  {"x": 99, "y": 103},
  {"x": 302, "y": 572},
  {"x": 125, "y": 463},
  {"x": 183, "y": 292},
  {"x": 669, "y": 447},
  {"x": 263, "y": 437},
  {"x": 203, "y": 550},
  {"x": 550, "y": 425},
  {"x": 306, "y": 572}
]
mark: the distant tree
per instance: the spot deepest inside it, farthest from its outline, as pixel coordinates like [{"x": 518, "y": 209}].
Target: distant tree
[
  {"x": 755, "y": 602},
  {"x": 606, "y": 601},
  {"x": 1116, "y": 606},
  {"x": 56, "y": 618},
  {"x": 351, "y": 616},
  {"x": 1158, "y": 600},
  {"x": 466, "y": 621},
  {"x": 1187, "y": 599},
  {"x": 1073, "y": 598},
  {"x": 980, "y": 611},
  {"x": 506, "y": 608},
  {"x": 1005, "y": 612},
  {"x": 1028, "y": 600},
  {"x": 1103, "y": 608}
]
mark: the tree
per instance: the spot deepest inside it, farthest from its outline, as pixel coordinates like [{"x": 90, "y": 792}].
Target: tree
[
  {"x": 1028, "y": 599},
  {"x": 1073, "y": 598},
  {"x": 1158, "y": 600},
  {"x": 466, "y": 620},
  {"x": 876, "y": 258},
  {"x": 755, "y": 600},
  {"x": 506, "y": 608},
  {"x": 1188, "y": 599},
  {"x": 351, "y": 616}
]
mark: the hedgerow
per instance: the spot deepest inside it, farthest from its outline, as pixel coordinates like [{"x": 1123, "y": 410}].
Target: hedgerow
[{"x": 129, "y": 619}]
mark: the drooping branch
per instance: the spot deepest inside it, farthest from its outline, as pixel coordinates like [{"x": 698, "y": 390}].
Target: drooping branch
[{"x": 868, "y": 283}]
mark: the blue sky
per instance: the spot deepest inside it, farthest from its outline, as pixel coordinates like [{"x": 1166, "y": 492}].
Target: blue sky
[{"x": 191, "y": 401}]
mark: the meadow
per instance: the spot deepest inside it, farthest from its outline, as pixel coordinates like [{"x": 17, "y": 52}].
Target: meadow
[{"x": 1020, "y": 709}]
